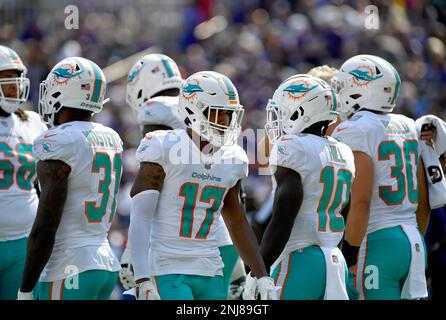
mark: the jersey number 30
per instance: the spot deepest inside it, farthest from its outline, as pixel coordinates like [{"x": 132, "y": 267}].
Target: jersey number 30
[{"x": 94, "y": 212}]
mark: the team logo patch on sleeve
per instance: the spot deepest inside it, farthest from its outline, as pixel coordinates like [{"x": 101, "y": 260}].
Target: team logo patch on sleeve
[{"x": 46, "y": 148}]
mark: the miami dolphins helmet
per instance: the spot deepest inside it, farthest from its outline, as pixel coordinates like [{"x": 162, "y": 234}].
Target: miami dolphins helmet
[
  {"x": 298, "y": 103},
  {"x": 148, "y": 76},
  {"x": 202, "y": 97},
  {"x": 366, "y": 82},
  {"x": 73, "y": 83},
  {"x": 9, "y": 60}
]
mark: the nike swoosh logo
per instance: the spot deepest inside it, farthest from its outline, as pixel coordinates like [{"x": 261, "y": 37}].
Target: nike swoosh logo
[
  {"x": 286, "y": 139},
  {"x": 341, "y": 129},
  {"x": 46, "y": 136}
]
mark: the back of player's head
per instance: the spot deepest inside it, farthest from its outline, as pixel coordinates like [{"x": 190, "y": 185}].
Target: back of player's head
[
  {"x": 14, "y": 86},
  {"x": 324, "y": 72},
  {"x": 205, "y": 98},
  {"x": 72, "y": 83},
  {"x": 149, "y": 76},
  {"x": 367, "y": 82},
  {"x": 298, "y": 103}
]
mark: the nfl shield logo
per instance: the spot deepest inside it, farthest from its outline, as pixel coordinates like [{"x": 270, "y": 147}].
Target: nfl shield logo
[{"x": 334, "y": 259}]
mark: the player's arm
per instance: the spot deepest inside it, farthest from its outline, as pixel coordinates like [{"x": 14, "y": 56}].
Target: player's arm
[
  {"x": 144, "y": 193},
  {"x": 423, "y": 210},
  {"x": 241, "y": 233},
  {"x": 153, "y": 127},
  {"x": 361, "y": 197},
  {"x": 53, "y": 177},
  {"x": 287, "y": 201}
]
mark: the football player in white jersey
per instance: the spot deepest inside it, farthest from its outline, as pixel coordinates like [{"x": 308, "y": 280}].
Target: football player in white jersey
[
  {"x": 79, "y": 169},
  {"x": 389, "y": 193},
  {"x": 18, "y": 197},
  {"x": 153, "y": 86},
  {"x": 312, "y": 175},
  {"x": 186, "y": 180}
]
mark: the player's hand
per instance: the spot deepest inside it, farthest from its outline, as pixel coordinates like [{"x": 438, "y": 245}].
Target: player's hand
[
  {"x": 147, "y": 291},
  {"x": 428, "y": 133},
  {"x": 352, "y": 292},
  {"x": 263, "y": 286},
  {"x": 25, "y": 295},
  {"x": 267, "y": 289},
  {"x": 126, "y": 273},
  {"x": 236, "y": 288},
  {"x": 250, "y": 290}
]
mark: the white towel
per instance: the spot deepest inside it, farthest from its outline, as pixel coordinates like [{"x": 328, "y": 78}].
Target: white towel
[
  {"x": 335, "y": 288},
  {"x": 432, "y": 166},
  {"x": 440, "y": 136},
  {"x": 415, "y": 285}
]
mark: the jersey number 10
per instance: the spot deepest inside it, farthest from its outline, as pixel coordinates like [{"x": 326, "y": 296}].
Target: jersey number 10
[{"x": 328, "y": 208}]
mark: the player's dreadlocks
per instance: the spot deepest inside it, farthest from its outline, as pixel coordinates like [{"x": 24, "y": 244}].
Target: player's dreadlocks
[{"x": 23, "y": 116}]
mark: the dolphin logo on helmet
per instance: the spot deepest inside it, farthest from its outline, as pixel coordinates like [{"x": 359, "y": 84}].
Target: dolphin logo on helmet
[
  {"x": 364, "y": 76},
  {"x": 298, "y": 89},
  {"x": 66, "y": 73},
  {"x": 191, "y": 88},
  {"x": 133, "y": 74}
]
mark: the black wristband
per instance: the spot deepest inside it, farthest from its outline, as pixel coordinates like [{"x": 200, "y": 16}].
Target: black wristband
[{"x": 350, "y": 253}]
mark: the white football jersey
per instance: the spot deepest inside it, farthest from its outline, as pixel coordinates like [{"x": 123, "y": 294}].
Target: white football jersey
[
  {"x": 18, "y": 197},
  {"x": 391, "y": 141},
  {"x": 161, "y": 111},
  {"x": 183, "y": 236},
  {"x": 164, "y": 111},
  {"x": 327, "y": 170},
  {"x": 94, "y": 153}
]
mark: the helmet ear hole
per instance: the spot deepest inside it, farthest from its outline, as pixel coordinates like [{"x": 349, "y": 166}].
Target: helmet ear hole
[
  {"x": 295, "y": 116},
  {"x": 189, "y": 111},
  {"x": 355, "y": 96},
  {"x": 139, "y": 94},
  {"x": 56, "y": 94}
]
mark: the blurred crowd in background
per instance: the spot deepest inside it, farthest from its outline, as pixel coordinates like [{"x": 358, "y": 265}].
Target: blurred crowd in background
[{"x": 257, "y": 43}]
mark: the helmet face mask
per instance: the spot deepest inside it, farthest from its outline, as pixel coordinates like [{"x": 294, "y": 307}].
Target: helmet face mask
[
  {"x": 9, "y": 60},
  {"x": 73, "y": 83},
  {"x": 148, "y": 76},
  {"x": 206, "y": 98},
  {"x": 10, "y": 104},
  {"x": 272, "y": 126},
  {"x": 298, "y": 103}
]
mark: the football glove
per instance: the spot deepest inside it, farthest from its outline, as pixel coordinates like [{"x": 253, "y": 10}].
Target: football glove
[
  {"x": 126, "y": 273},
  {"x": 263, "y": 286},
  {"x": 147, "y": 291},
  {"x": 25, "y": 295}
]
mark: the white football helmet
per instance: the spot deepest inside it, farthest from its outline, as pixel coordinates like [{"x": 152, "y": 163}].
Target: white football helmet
[
  {"x": 299, "y": 102},
  {"x": 366, "y": 82},
  {"x": 9, "y": 60},
  {"x": 207, "y": 93},
  {"x": 151, "y": 74},
  {"x": 73, "y": 83}
]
